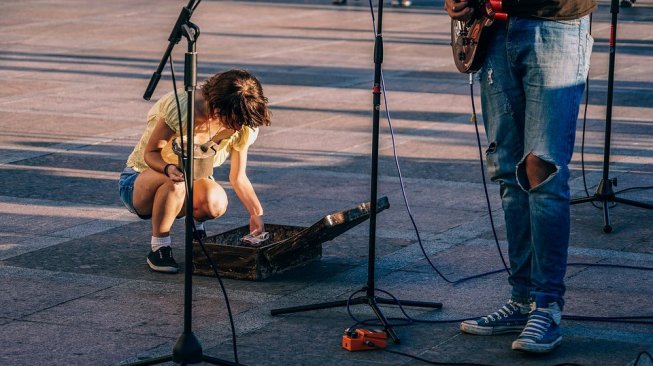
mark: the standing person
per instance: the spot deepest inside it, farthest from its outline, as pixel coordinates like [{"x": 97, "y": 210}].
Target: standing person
[
  {"x": 230, "y": 107},
  {"x": 532, "y": 81}
]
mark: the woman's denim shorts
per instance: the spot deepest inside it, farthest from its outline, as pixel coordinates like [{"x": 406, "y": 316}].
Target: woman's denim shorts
[{"x": 126, "y": 184}]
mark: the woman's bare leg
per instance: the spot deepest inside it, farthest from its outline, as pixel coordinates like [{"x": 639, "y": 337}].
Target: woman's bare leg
[
  {"x": 156, "y": 195},
  {"x": 209, "y": 200}
]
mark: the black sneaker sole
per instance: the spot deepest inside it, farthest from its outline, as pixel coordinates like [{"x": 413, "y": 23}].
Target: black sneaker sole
[{"x": 163, "y": 269}]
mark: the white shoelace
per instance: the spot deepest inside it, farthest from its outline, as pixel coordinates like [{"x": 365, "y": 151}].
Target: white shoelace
[
  {"x": 504, "y": 312},
  {"x": 537, "y": 326}
]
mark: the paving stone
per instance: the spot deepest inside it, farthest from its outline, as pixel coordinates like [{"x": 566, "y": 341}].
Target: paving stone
[{"x": 52, "y": 344}]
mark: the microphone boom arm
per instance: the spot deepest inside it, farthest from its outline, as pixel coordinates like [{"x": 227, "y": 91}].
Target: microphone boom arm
[{"x": 175, "y": 37}]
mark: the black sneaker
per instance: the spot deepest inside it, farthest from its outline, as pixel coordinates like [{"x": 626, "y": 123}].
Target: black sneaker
[
  {"x": 627, "y": 3},
  {"x": 511, "y": 318},
  {"x": 199, "y": 234},
  {"x": 162, "y": 260},
  {"x": 542, "y": 332},
  {"x": 400, "y": 3}
]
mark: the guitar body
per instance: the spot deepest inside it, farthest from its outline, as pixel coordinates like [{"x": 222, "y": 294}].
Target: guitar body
[{"x": 469, "y": 37}]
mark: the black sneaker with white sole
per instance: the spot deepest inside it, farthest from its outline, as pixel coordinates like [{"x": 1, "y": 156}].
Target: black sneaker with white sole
[
  {"x": 199, "y": 234},
  {"x": 542, "y": 332},
  {"x": 511, "y": 318},
  {"x": 162, "y": 261},
  {"x": 627, "y": 3}
]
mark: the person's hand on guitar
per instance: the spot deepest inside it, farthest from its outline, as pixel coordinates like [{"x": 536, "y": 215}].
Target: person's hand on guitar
[{"x": 458, "y": 9}]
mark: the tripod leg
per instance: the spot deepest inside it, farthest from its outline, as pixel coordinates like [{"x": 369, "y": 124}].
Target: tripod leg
[
  {"x": 607, "y": 228},
  {"x": 384, "y": 321},
  {"x": 217, "y": 361},
  {"x": 633, "y": 203},
  {"x": 324, "y": 305},
  {"x": 421, "y": 304},
  {"x": 152, "y": 361},
  {"x": 584, "y": 199}
]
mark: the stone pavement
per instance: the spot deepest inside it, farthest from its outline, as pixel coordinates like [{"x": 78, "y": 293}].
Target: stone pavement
[{"x": 75, "y": 288}]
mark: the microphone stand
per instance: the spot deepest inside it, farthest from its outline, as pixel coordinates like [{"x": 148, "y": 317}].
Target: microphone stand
[
  {"x": 370, "y": 297},
  {"x": 188, "y": 349},
  {"x": 604, "y": 192}
]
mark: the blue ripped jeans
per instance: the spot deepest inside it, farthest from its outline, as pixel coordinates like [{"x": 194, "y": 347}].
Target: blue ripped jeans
[{"x": 532, "y": 83}]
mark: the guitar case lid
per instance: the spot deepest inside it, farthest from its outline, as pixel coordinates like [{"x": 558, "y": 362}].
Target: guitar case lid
[{"x": 328, "y": 227}]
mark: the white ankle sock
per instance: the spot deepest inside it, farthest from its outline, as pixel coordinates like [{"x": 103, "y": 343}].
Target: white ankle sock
[
  {"x": 199, "y": 225},
  {"x": 158, "y": 243}
]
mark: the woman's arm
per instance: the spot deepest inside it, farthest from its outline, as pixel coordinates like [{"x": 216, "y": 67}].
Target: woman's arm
[
  {"x": 245, "y": 191},
  {"x": 158, "y": 140}
]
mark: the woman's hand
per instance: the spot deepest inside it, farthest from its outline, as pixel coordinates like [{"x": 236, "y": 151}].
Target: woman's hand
[
  {"x": 173, "y": 172},
  {"x": 256, "y": 226},
  {"x": 458, "y": 9}
]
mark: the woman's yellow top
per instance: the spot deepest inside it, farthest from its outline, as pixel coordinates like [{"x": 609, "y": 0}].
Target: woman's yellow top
[{"x": 166, "y": 107}]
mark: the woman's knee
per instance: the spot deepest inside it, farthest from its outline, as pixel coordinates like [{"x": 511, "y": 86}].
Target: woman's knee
[
  {"x": 177, "y": 190},
  {"x": 210, "y": 203},
  {"x": 217, "y": 208},
  {"x": 209, "y": 209}
]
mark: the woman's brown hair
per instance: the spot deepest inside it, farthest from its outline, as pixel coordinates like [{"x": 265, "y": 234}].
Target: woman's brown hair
[{"x": 236, "y": 96}]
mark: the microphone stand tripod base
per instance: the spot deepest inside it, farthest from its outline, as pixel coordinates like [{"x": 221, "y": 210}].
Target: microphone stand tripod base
[
  {"x": 370, "y": 298},
  {"x": 187, "y": 349},
  {"x": 604, "y": 192}
]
